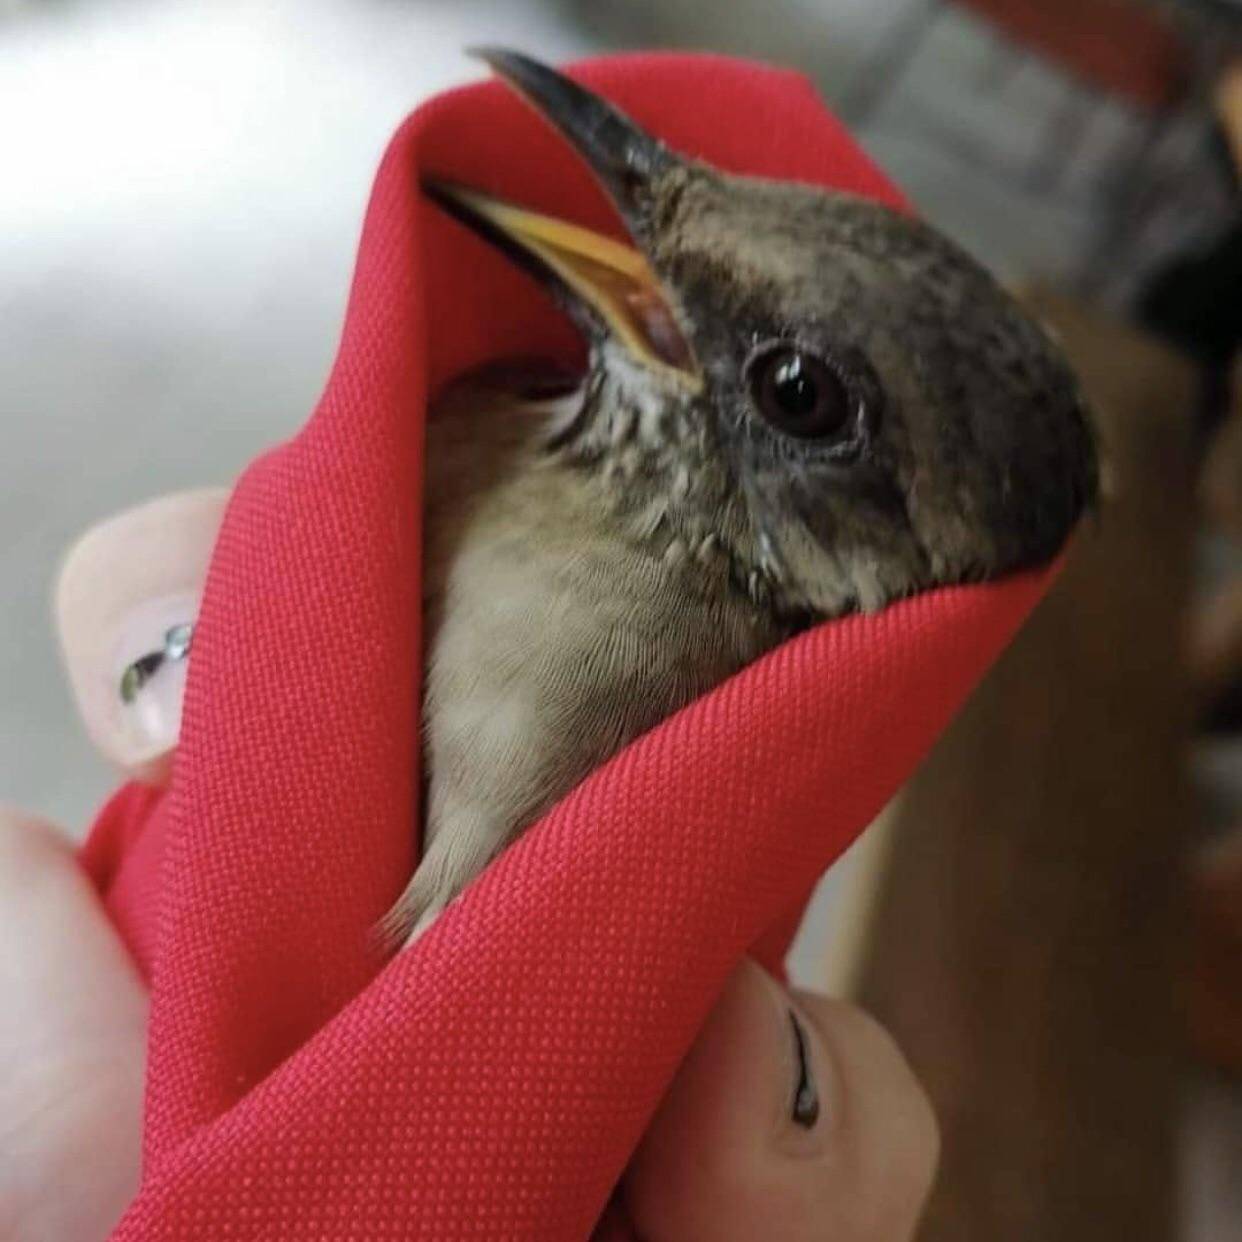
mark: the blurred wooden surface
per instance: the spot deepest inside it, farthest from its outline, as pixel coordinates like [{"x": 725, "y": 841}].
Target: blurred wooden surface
[{"x": 1024, "y": 925}]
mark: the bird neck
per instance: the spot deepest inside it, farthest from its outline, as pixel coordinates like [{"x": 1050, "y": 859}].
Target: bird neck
[{"x": 650, "y": 455}]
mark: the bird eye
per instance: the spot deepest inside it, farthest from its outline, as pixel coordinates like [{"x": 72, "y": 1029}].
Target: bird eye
[{"x": 799, "y": 393}]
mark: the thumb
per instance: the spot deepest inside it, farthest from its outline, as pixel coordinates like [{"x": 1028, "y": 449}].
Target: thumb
[{"x": 123, "y": 587}]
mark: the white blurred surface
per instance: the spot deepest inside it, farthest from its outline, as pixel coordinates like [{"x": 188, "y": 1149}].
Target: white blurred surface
[{"x": 183, "y": 189}]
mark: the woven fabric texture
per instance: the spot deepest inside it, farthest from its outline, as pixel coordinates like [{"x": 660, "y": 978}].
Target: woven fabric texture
[{"x": 491, "y": 1082}]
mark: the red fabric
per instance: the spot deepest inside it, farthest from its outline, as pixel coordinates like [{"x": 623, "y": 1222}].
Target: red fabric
[{"x": 491, "y": 1082}]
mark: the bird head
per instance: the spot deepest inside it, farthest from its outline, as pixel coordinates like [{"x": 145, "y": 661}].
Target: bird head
[{"x": 835, "y": 388}]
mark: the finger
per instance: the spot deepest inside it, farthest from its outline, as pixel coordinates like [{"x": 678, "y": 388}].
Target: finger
[
  {"x": 123, "y": 586},
  {"x": 747, "y": 1145},
  {"x": 72, "y": 1022},
  {"x": 895, "y": 1140}
]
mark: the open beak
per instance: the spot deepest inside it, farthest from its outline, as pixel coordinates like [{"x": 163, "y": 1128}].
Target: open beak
[{"x": 594, "y": 272}]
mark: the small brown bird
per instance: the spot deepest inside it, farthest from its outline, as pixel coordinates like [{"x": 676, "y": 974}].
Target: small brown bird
[{"x": 798, "y": 403}]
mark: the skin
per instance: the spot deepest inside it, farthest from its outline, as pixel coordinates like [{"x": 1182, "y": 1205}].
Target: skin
[{"x": 722, "y": 1159}]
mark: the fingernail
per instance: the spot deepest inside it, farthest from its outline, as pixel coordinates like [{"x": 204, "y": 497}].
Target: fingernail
[
  {"x": 121, "y": 588},
  {"x": 148, "y": 672},
  {"x": 804, "y": 1110}
]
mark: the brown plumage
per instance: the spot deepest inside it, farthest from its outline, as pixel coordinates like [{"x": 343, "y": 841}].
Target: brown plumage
[{"x": 798, "y": 403}]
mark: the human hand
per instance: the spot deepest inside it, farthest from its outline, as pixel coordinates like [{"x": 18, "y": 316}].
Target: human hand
[{"x": 792, "y": 1116}]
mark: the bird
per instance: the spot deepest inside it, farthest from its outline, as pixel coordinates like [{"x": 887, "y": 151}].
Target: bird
[{"x": 797, "y": 403}]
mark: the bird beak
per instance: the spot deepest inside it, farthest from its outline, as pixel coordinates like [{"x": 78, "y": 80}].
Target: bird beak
[{"x": 613, "y": 280}]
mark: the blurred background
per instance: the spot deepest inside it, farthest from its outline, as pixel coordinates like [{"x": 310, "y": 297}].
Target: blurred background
[{"x": 1050, "y": 917}]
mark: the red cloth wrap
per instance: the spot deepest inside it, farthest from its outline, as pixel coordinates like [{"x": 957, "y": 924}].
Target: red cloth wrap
[{"x": 492, "y": 1082}]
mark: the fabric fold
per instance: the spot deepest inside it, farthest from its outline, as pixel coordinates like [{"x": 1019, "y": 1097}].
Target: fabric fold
[{"x": 491, "y": 1082}]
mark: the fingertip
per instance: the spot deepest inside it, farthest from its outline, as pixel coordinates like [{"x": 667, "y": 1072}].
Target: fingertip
[
  {"x": 72, "y": 1039},
  {"x": 27, "y": 844},
  {"x": 729, "y": 1155},
  {"x": 121, "y": 588},
  {"x": 894, "y": 1124}
]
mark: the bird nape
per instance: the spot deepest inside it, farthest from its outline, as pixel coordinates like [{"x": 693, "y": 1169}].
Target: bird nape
[{"x": 798, "y": 403}]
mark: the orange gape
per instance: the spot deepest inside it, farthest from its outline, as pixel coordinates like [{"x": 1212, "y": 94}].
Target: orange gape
[{"x": 492, "y": 1081}]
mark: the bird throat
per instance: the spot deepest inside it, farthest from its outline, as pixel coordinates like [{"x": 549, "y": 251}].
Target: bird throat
[{"x": 648, "y": 450}]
